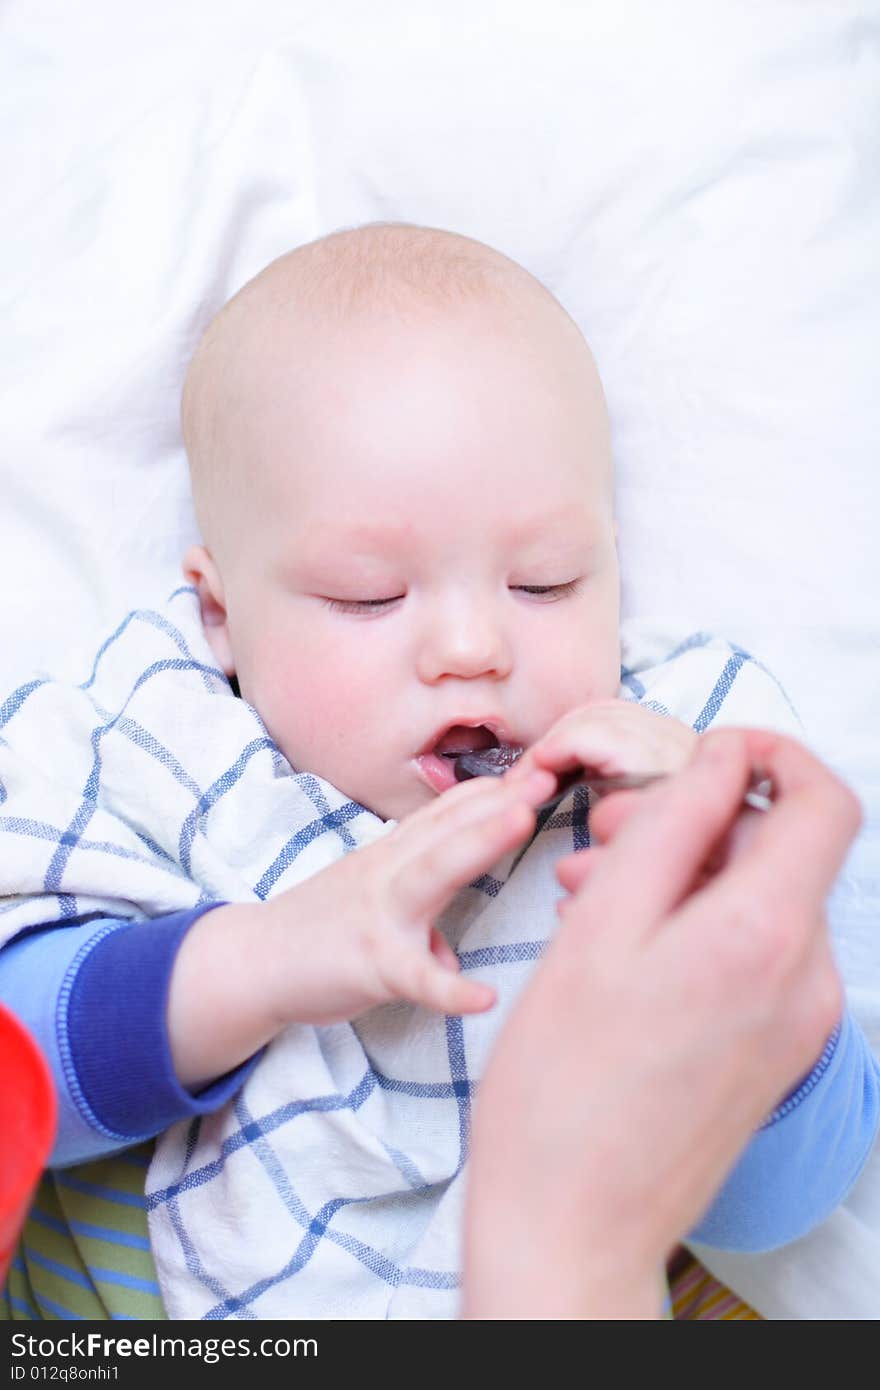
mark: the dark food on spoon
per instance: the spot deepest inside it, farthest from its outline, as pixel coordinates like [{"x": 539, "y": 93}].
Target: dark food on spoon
[{"x": 486, "y": 762}]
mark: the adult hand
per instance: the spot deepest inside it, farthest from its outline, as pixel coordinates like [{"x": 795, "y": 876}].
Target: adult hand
[{"x": 690, "y": 984}]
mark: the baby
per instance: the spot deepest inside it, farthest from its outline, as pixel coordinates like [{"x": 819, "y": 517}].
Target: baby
[{"x": 401, "y": 470}]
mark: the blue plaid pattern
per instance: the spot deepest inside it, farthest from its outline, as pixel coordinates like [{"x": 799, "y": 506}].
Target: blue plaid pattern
[{"x": 332, "y": 1186}]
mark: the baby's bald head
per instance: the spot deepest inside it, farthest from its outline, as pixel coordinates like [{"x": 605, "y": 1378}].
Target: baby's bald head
[
  {"x": 264, "y": 348},
  {"x": 401, "y": 470}
]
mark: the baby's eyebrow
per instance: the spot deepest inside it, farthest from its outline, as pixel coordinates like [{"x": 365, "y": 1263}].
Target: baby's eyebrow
[
  {"x": 359, "y": 535},
  {"x": 335, "y": 550},
  {"x": 564, "y": 529},
  {"x": 539, "y": 523},
  {"x": 574, "y": 522}
]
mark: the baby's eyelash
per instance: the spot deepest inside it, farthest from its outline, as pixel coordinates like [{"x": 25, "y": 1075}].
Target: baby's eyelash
[
  {"x": 360, "y": 605},
  {"x": 550, "y": 592}
]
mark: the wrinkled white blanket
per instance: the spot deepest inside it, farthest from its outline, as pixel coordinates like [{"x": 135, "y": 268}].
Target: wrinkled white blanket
[{"x": 331, "y": 1187}]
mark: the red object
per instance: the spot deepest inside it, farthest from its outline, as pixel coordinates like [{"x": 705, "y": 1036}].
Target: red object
[{"x": 28, "y": 1115}]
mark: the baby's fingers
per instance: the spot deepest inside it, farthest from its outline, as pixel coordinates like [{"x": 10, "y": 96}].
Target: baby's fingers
[
  {"x": 423, "y": 980},
  {"x": 601, "y": 748},
  {"x": 432, "y": 871},
  {"x": 442, "y": 951},
  {"x": 609, "y": 738}
]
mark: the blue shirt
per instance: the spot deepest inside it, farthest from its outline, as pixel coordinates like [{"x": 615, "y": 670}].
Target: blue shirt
[{"x": 94, "y": 994}]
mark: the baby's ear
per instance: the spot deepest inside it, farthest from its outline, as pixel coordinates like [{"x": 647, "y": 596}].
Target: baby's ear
[{"x": 199, "y": 569}]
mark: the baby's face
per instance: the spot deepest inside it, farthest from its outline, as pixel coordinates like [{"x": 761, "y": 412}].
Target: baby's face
[{"x": 427, "y": 559}]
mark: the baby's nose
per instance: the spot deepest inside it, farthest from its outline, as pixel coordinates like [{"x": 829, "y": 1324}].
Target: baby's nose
[{"x": 465, "y": 645}]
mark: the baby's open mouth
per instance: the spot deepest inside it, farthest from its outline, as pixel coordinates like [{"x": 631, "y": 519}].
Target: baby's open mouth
[
  {"x": 476, "y": 752},
  {"x": 466, "y": 750},
  {"x": 462, "y": 739}
]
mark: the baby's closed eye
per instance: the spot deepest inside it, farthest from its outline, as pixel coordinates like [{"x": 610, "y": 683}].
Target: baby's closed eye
[
  {"x": 544, "y": 593},
  {"x": 548, "y": 592},
  {"x": 362, "y": 605}
]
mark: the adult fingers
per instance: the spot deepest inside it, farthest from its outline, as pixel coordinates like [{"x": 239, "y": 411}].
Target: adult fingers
[
  {"x": 658, "y": 851},
  {"x": 574, "y": 869},
  {"x": 805, "y": 836},
  {"x": 610, "y": 812},
  {"x": 765, "y": 972},
  {"x": 797, "y": 847}
]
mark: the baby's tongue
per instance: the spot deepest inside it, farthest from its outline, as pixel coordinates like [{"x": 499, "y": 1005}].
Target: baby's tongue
[{"x": 461, "y": 739}]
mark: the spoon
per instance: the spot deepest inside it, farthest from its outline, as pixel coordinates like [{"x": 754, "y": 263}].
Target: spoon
[{"x": 493, "y": 762}]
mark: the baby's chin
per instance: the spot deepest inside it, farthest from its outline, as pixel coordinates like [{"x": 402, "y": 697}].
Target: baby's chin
[
  {"x": 398, "y": 803},
  {"x": 398, "y": 806}
]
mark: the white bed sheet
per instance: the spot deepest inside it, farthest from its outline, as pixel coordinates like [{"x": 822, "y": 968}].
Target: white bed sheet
[{"x": 698, "y": 184}]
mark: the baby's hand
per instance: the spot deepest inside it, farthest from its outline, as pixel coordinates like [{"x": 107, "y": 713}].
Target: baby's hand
[
  {"x": 609, "y": 738},
  {"x": 362, "y": 933}
]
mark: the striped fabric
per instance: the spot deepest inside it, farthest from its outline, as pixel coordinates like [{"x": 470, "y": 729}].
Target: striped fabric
[
  {"x": 697, "y": 1296},
  {"x": 85, "y": 1254},
  {"x": 85, "y": 1250}
]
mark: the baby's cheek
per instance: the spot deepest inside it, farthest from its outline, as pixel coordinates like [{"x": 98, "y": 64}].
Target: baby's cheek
[
  {"x": 313, "y": 707},
  {"x": 570, "y": 674},
  {"x": 328, "y": 710},
  {"x": 290, "y": 690}
]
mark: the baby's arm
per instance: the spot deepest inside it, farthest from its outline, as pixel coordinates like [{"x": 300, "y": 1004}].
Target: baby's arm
[
  {"x": 139, "y": 1019},
  {"x": 800, "y": 1165},
  {"x": 94, "y": 995}
]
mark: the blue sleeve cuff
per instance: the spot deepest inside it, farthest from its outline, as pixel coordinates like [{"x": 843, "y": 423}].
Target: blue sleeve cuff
[
  {"x": 802, "y": 1162},
  {"x": 113, "y": 1035},
  {"x": 94, "y": 995}
]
